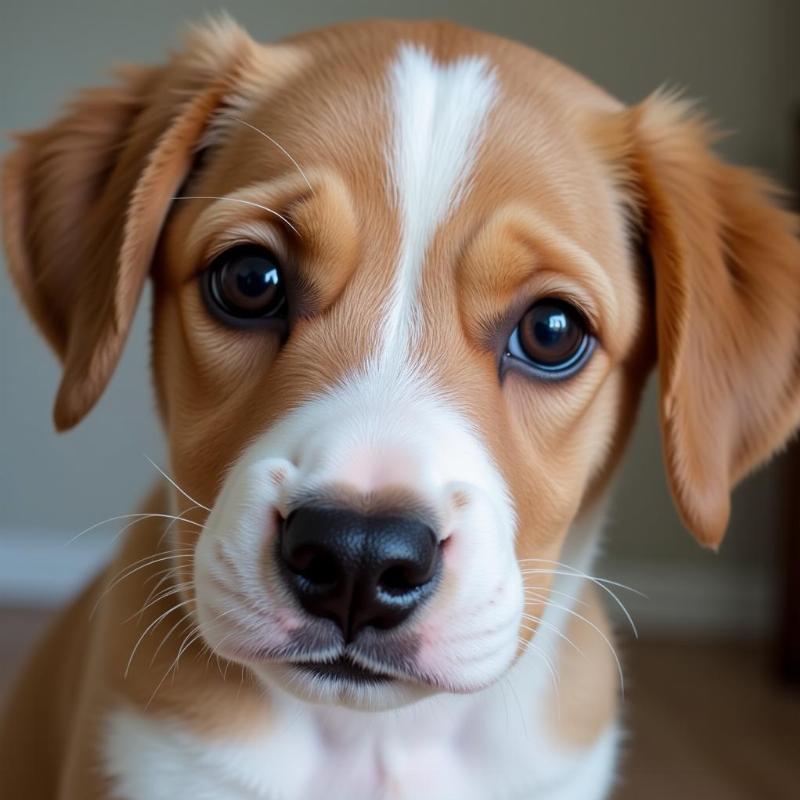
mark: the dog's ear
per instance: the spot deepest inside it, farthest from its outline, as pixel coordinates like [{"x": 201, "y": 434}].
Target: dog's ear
[
  {"x": 726, "y": 263},
  {"x": 84, "y": 201}
]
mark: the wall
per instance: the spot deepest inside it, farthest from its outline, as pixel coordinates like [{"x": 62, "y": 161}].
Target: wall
[{"x": 737, "y": 56}]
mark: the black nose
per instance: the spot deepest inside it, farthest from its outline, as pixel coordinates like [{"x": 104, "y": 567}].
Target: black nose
[{"x": 358, "y": 569}]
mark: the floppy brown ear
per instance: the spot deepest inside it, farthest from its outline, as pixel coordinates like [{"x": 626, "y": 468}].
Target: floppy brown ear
[
  {"x": 84, "y": 201},
  {"x": 726, "y": 262}
]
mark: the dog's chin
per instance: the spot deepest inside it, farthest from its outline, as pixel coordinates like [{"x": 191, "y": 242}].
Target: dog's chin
[{"x": 342, "y": 683}]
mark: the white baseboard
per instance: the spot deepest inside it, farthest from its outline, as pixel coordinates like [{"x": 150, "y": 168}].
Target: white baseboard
[
  {"x": 45, "y": 568},
  {"x": 710, "y": 600},
  {"x": 688, "y": 599}
]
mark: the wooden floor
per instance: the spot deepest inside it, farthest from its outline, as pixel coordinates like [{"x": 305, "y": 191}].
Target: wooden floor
[
  {"x": 708, "y": 723},
  {"x": 703, "y": 722}
]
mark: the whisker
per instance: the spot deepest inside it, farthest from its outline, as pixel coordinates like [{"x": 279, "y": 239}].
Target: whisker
[
  {"x": 279, "y": 146},
  {"x": 129, "y": 525},
  {"x": 550, "y": 668},
  {"x": 243, "y": 202},
  {"x": 214, "y": 621},
  {"x": 181, "y": 621},
  {"x": 164, "y": 474},
  {"x": 180, "y": 516},
  {"x": 596, "y": 582},
  {"x": 174, "y": 589},
  {"x": 140, "y": 517},
  {"x": 505, "y": 679},
  {"x": 161, "y": 571},
  {"x": 602, "y": 635},
  {"x": 166, "y": 575},
  {"x": 133, "y": 568},
  {"x": 550, "y": 626},
  {"x": 565, "y": 595},
  {"x": 150, "y": 627},
  {"x": 204, "y": 648},
  {"x": 225, "y": 638},
  {"x": 192, "y": 636},
  {"x": 607, "y": 581},
  {"x": 519, "y": 708},
  {"x": 183, "y": 552},
  {"x": 215, "y": 656}
]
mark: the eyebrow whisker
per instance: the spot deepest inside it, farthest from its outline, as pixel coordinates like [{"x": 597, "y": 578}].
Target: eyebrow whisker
[
  {"x": 279, "y": 146},
  {"x": 243, "y": 202}
]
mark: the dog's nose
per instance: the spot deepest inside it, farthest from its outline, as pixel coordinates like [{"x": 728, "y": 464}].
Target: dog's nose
[{"x": 358, "y": 569}]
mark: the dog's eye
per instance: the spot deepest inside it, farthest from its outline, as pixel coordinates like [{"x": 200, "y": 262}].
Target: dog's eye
[
  {"x": 245, "y": 283},
  {"x": 551, "y": 340}
]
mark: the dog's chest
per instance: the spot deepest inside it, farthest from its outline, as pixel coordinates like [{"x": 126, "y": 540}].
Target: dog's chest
[
  {"x": 308, "y": 752},
  {"x": 495, "y": 745},
  {"x": 317, "y": 754}
]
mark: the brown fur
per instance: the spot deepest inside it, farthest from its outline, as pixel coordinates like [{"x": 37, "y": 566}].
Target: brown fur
[
  {"x": 727, "y": 271},
  {"x": 587, "y": 667},
  {"x": 564, "y": 173}
]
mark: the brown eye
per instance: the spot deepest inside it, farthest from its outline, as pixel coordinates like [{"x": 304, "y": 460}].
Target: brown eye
[
  {"x": 245, "y": 283},
  {"x": 551, "y": 339}
]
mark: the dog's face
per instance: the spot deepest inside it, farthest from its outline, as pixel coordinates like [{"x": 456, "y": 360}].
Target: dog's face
[
  {"x": 409, "y": 369},
  {"x": 403, "y": 314}
]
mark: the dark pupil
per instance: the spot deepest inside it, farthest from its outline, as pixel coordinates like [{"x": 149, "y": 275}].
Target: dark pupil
[
  {"x": 549, "y": 335},
  {"x": 252, "y": 283},
  {"x": 551, "y": 329}
]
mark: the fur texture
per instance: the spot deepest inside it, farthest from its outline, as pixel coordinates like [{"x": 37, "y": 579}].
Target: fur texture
[{"x": 423, "y": 185}]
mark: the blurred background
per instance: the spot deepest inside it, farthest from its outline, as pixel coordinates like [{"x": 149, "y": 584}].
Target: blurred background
[{"x": 715, "y": 629}]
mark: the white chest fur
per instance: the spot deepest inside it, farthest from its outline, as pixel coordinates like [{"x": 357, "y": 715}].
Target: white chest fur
[{"x": 483, "y": 747}]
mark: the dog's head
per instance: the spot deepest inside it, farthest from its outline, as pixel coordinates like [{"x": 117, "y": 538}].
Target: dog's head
[{"x": 408, "y": 282}]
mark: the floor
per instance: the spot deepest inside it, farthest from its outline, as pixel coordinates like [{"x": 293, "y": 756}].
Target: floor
[
  {"x": 708, "y": 723},
  {"x": 704, "y": 722}
]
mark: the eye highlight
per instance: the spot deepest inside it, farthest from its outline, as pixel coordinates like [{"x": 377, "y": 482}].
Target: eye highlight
[
  {"x": 551, "y": 341},
  {"x": 245, "y": 285}
]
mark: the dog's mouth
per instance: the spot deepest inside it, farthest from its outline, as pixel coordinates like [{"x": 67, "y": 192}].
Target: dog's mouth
[{"x": 343, "y": 669}]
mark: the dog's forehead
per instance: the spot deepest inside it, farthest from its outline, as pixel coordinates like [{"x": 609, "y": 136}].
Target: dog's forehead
[
  {"x": 433, "y": 130},
  {"x": 415, "y": 138},
  {"x": 381, "y": 102}
]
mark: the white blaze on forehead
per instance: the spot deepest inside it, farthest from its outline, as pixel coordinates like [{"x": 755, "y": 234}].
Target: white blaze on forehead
[{"x": 439, "y": 113}]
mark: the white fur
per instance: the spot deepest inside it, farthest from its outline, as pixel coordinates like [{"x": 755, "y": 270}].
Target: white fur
[
  {"x": 380, "y": 428},
  {"x": 493, "y": 745},
  {"x": 386, "y": 425},
  {"x": 308, "y": 757},
  {"x": 439, "y": 115}
]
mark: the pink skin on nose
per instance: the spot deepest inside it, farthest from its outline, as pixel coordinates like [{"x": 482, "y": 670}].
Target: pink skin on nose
[{"x": 370, "y": 469}]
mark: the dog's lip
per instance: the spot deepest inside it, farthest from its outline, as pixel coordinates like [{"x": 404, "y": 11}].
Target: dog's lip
[{"x": 342, "y": 668}]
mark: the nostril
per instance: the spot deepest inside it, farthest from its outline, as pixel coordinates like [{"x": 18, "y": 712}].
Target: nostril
[
  {"x": 398, "y": 580},
  {"x": 401, "y": 579},
  {"x": 310, "y": 561},
  {"x": 319, "y": 569}
]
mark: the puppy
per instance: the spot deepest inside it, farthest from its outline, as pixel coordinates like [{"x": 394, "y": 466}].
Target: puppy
[{"x": 409, "y": 280}]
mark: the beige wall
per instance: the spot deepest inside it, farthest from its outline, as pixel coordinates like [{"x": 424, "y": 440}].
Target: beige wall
[{"x": 739, "y": 56}]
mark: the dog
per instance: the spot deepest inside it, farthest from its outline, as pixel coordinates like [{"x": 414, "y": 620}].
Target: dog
[{"x": 408, "y": 282}]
